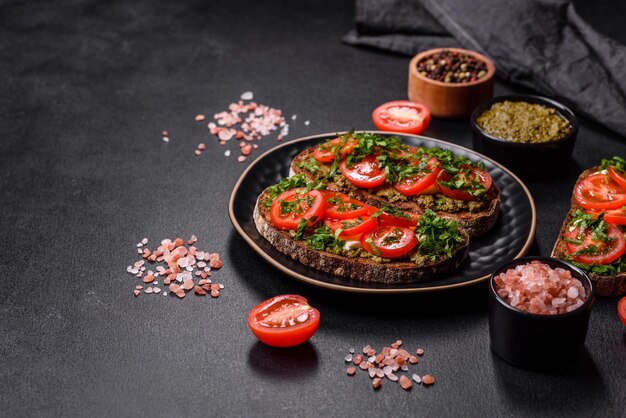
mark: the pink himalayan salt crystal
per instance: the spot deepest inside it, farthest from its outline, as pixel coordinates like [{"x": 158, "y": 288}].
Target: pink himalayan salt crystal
[{"x": 537, "y": 288}]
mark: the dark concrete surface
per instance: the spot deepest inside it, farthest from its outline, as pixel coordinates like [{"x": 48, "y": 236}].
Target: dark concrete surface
[{"x": 86, "y": 88}]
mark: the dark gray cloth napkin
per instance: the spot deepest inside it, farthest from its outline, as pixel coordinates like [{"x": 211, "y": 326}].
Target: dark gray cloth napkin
[{"x": 540, "y": 44}]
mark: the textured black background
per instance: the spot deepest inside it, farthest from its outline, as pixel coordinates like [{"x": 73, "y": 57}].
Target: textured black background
[{"x": 86, "y": 89}]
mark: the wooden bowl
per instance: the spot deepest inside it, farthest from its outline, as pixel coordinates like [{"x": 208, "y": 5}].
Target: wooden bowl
[{"x": 450, "y": 100}]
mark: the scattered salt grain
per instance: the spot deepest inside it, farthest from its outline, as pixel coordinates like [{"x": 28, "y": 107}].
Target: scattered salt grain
[
  {"x": 176, "y": 257},
  {"x": 227, "y": 153},
  {"x": 307, "y": 123},
  {"x": 392, "y": 363},
  {"x": 348, "y": 358},
  {"x": 247, "y": 121},
  {"x": 200, "y": 118},
  {"x": 405, "y": 383},
  {"x": 428, "y": 380}
]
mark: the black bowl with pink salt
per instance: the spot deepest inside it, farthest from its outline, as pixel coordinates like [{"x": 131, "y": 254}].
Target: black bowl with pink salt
[{"x": 539, "y": 311}]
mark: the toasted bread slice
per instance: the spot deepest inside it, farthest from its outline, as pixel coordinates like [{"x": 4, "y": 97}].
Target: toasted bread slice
[
  {"x": 475, "y": 223},
  {"x": 603, "y": 285},
  {"x": 357, "y": 268}
]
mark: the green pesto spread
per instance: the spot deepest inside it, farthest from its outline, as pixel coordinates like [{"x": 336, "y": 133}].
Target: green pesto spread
[
  {"x": 524, "y": 122},
  {"x": 436, "y": 202}
]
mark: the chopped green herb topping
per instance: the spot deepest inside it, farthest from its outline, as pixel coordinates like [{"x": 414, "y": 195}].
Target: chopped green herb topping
[
  {"x": 618, "y": 164},
  {"x": 395, "y": 236},
  {"x": 436, "y": 235},
  {"x": 289, "y": 183},
  {"x": 612, "y": 270},
  {"x": 323, "y": 239},
  {"x": 466, "y": 181},
  {"x": 310, "y": 164},
  {"x": 390, "y": 210},
  {"x": 596, "y": 226},
  {"x": 302, "y": 227},
  {"x": 342, "y": 205},
  {"x": 370, "y": 242}
]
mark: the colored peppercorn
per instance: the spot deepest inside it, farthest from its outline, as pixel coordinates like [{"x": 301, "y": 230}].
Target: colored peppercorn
[{"x": 452, "y": 67}]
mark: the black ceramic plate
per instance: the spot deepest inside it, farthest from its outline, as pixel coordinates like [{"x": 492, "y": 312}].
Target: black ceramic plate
[{"x": 509, "y": 239}]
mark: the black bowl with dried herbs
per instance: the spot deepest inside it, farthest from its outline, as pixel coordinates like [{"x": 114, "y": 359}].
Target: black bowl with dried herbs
[{"x": 532, "y": 135}]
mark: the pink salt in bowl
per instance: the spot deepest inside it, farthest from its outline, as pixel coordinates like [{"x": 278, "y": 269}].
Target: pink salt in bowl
[{"x": 539, "y": 341}]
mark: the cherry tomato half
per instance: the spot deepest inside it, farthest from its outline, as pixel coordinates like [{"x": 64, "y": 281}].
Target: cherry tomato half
[
  {"x": 598, "y": 192},
  {"x": 284, "y": 320},
  {"x": 352, "y": 228},
  {"x": 612, "y": 216},
  {"x": 342, "y": 206},
  {"x": 421, "y": 181},
  {"x": 402, "y": 116},
  {"x": 619, "y": 178},
  {"x": 484, "y": 179},
  {"x": 326, "y": 152},
  {"x": 605, "y": 251},
  {"x": 621, "y": 309},
  {"x": 389, "y": 241},
  {"x": 289, "y": 207},
  {"x": 388, "y": 219},
  {"x": 365, "y": 173}
]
